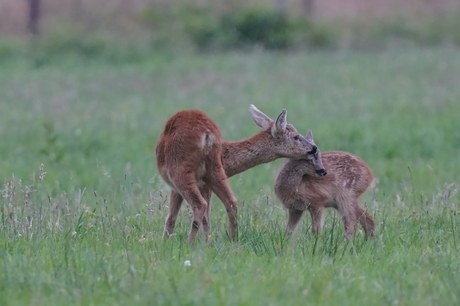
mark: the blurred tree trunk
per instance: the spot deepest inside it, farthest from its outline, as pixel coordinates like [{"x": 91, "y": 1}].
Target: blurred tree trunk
[
  {"x": 308, "y": 7},
  {"x": 77, "y": 10},
  {"x": 34, "y": 17}
]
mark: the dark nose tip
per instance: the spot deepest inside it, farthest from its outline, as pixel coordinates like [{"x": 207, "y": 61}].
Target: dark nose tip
[
  {"x": 313, "y": 150},
  {"x": 321, "y": 172}
]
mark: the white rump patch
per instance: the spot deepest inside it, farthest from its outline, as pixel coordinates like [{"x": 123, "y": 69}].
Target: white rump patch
[{"x": 207, "y": 140}]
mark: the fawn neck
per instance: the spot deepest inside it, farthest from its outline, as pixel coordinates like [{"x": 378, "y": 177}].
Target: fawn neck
[
  {"x": 299, "y": 167},
  {"x": 292, "y": 172},
  {"x": 239, "y": 156},
  {"x": 289, "y": 179}
]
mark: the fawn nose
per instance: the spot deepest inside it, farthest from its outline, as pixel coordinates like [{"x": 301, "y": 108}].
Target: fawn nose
[
  {"x": 313, "y": 150},
  {"x": 321, "y": 172}
]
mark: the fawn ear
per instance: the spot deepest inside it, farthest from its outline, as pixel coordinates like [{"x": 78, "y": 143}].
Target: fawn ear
[
  {"x": 280, "y": 123},
  {"x": 260, "y": 118},
  {"x": 309, "y": 136}
]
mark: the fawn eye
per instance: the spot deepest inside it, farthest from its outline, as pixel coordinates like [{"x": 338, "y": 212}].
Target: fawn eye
[{"x": 296, "y": 137}]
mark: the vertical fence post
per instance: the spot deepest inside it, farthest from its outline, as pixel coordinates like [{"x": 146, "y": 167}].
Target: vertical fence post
[
  {"x": 308, "y": 7},
  {"x": 77, "y": 10},
  {"x": 280, "y": 6},
  {"x": 34, "y": 17}
]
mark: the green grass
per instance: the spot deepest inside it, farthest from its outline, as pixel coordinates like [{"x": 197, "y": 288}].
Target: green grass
[{"x": 85, "y": 228}]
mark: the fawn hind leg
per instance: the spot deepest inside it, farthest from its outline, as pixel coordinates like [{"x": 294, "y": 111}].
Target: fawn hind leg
[
  {"x": 366, "y": 220},
  {"x": 293, "y": 220},
  {"x": 348, "y": 216},
  {"x": 317, "y": 218},
  {"x": 175, "y": 203}
]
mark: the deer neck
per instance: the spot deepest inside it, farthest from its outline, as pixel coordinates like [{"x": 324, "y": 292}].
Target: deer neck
[{"x": 239, "y": 156}]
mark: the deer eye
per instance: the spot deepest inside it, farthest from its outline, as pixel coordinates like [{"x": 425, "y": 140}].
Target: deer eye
[{"x": 296, "y": 137}]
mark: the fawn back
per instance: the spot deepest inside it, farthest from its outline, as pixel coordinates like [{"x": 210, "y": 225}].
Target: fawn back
[{"x": 303, "y": 185}]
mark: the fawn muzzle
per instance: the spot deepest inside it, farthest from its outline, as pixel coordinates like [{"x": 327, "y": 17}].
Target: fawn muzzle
[
  {"x": 313, "y": 150},
  {"x": 321, "y": 172}
]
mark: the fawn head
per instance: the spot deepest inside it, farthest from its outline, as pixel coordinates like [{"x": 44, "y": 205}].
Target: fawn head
[
  {"x": 314, "y": 156},
  {"x": 285, "y": 141}
]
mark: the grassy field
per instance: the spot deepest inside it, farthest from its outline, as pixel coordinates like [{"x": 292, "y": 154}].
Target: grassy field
[{"x": 82, "y": 206}]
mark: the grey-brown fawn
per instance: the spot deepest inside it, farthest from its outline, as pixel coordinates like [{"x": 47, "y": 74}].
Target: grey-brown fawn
[
  {"x": 195, "y": 161},
  {"x": 320, "y": 180}
]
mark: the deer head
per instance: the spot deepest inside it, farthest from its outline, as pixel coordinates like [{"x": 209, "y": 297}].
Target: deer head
[{"x": 285, "y": 140}]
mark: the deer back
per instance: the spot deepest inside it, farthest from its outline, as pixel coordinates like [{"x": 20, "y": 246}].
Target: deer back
[{"x": 188, "y": 139}]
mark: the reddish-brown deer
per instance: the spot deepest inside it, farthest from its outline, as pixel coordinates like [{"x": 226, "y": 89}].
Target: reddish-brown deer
[
  {"x": 195, "y": 161},
  {"x": 329, "y": 179}
]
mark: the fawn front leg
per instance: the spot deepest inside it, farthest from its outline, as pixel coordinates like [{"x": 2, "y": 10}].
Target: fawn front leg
[
  {"x": 317, "y": 218},
  {"x": 294, "y": 218}
]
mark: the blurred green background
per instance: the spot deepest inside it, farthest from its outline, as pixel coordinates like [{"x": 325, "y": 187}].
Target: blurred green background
[
  {"x": 87, "y": 86},
  {"x": 126, "y": 30}
]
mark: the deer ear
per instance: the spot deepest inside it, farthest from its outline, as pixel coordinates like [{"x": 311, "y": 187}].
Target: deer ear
[
  {"x": 280, "y": 123},
  {"x": 309, "y": 136},
  {"x": 260, "y": 118}
]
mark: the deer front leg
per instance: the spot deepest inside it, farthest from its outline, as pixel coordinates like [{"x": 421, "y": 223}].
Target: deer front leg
[
  {"x": 175, "y": 203},
  {"x": 293, "y": 220}
]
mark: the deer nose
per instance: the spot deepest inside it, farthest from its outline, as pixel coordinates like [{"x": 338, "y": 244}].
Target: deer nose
[
  {"x": 321, "y": 172},
  {"x": 313, "y": 150}
]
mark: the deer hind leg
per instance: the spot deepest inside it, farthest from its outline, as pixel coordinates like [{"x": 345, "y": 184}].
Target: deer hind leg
[
  {"x": 199, "y": 206},
  {"x": 190, "y": 192},
  {"x": 366, "y": 220},
  {"x": 317, "y": 218},
  {"x": 206, "y": 193},
  {"x": 175, "y": 203},
  {"x": 219, "y": 185},
  {"x": 293, "y": 220}
]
